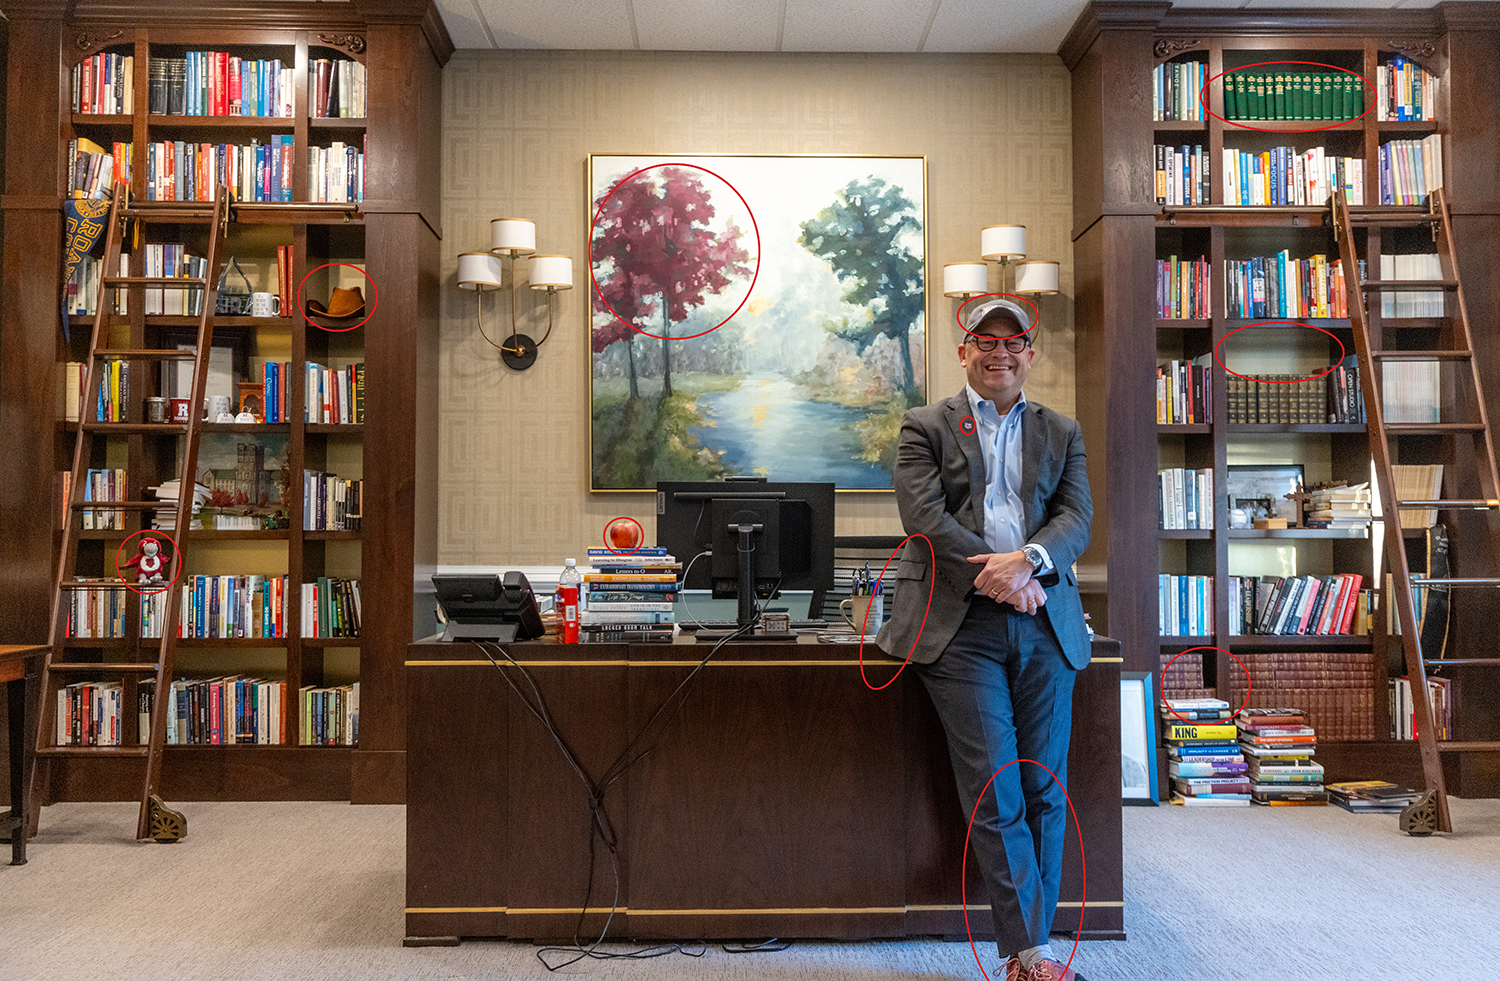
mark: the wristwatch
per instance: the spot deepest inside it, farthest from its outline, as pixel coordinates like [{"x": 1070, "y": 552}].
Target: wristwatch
[{"x": 1034, "y": 556}]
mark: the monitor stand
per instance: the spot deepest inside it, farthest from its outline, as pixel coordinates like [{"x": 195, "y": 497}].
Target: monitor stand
[{"x": 500, "y": 633}]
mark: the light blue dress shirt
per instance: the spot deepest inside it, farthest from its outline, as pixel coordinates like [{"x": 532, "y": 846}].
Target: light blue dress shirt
[{"x": 1000, "y": 442}]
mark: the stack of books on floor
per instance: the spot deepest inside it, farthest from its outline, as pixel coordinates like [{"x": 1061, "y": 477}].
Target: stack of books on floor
[
  {"x": 1279, "y": 745},
  {"x": 1372, "y": 796},
  {"x": 1203, "y": 753},
  {"x": 628, "y": 597}
]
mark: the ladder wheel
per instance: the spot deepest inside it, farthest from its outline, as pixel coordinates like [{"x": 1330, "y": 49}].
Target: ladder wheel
[
  {"x": 1419, "y": 819},
  {"x": 167, "y": 826}
]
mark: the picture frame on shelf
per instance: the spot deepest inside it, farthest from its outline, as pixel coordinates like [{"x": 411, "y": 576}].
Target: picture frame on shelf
[
  {"x": 1261, "y": 489},
  {"x": 1137, "y": 738}
]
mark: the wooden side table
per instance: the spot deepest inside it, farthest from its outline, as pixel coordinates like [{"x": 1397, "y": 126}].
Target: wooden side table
[{"x": 19, "y": 664}]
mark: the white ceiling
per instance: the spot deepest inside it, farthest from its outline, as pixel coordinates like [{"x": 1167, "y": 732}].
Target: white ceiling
[{"x": 792, "y": 25}]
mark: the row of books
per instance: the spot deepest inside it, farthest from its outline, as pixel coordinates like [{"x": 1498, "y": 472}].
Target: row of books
[
  {"x": 114, "y": 391},
  {"x": 81, "y": 292},
  {"x": 232, "y": 606},
  {"x": 220, "y": 712},
  {"x": 628, "y": 597},
  {"x": 336, "y": 87},
  {"x": 336, "y": 173},
  {"x": 1298, "y": 605},
  {"x": 1174, "y": 91},
  {"x": 104, "y": 84},
  {"x": 171, "y": 260},
  {"x": 1405, "y": 90},
  {"x": 1411, "y": 391},
  {"x": 1186, "y": 498},
  {"x": 335, "y": 396},
  {"x": 1411, "y": 303},
  {"x": 1184, "y": 605},
  {"x": 1293, "y": 95},
  {"x": 1418, "y": 482},
  {"x": 181, "y": 170},
  {"x": 1285, "y": 175},
  {"x": 331, "y": 607},
  {"x": 90, "y": 713},
  {"x": 95, "y": 170},
  {"x": 1281, "y": 286},
  {"x": 96, "y": 611},
  {"x": 331, "y": 503},
  {"x": 330, "y": 715},
  {"x": 1182, "y": 175},
  {"x": 1296, "y": 399},
  {"x": 1410, "y": 170},
  {"x": 1184, "y": 391},
  {"x": 1181, "y": 289},
  {"x": 104, "y": 484},
  {"x": 217, "y": 83},
  {"x": 1403, "y": 711},
  {"x": 1342, "y": 506}
]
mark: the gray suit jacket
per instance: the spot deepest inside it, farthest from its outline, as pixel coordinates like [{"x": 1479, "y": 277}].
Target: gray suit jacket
[{"x": 940, "y": 492}]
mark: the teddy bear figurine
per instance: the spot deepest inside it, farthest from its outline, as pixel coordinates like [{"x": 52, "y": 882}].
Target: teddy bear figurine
[{"x": 149, "y": 560}]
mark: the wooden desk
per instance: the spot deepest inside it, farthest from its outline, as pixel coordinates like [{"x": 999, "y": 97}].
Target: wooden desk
[
  {"x": 19, "y": 665},
  {"x": 785, "y": 798}
]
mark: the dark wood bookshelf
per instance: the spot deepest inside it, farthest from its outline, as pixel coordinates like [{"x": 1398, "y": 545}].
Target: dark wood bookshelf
[
  {"x": 395, "y": 234},
  {"x": 1120, "y": 231}
]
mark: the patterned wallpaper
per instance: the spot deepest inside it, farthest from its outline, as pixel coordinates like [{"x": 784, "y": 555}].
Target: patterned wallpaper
[{"x": 518, "y": 128}]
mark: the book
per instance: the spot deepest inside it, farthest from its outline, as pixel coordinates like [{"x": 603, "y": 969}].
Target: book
[
  {"x": 1180, "y": 732},
  {"x": 1204, "y": 800}
]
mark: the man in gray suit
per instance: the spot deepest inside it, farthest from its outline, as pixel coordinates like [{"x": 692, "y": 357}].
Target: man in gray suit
[{"x": 999, "y": 485}]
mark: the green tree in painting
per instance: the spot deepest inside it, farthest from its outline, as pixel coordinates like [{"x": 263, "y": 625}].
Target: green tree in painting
[
  {"x": 858, "y": 237},
  {"x": 653, "y": 237}
]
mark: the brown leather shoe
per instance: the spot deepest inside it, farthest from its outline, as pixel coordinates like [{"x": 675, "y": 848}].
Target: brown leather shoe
[
  {"x": 1051, "y": 971},
  {"x": 1012, "y": 970}
]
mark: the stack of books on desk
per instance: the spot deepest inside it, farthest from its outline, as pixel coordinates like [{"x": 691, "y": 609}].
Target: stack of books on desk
[
  {"x": 628, "y": 597},
  {"x": 1203, "y": 754},
  {"x": 1278, "y": 745}
]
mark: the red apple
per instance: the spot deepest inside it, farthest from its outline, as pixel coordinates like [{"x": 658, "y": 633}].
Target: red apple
[{"x": 624, "y": 534}]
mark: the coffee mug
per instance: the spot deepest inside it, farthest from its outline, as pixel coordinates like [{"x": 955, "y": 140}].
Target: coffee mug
[
  {"x": 216, "y": 406},
  {"x": 265, "y": 305},
  {"x": 854, "y": 609},
  {"x": 180, "y": 409}
]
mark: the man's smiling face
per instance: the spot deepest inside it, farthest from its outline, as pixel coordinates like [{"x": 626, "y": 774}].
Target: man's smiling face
[{"x": 996, "y": 375}]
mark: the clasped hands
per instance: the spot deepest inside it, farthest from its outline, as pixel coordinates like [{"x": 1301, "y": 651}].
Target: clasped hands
[{"x": 1006, "y": 578}]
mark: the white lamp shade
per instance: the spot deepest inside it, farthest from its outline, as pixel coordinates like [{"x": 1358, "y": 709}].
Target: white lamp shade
[
  {"x": 551, "y": 272},
  {"x": 1036, "y": 277},
  {"x": 479, "y": 271},
  {"x": 1003, "y": 242},
  {"x": 514, "y": 235},
  {"x": 965, "y": 278}
]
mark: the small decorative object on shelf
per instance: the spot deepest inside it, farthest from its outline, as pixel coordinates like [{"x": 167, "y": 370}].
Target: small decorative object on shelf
[{"x": 149, "y": 560}]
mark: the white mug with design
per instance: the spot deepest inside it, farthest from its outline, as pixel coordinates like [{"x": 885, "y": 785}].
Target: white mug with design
[{"x": 265, "y": 305}]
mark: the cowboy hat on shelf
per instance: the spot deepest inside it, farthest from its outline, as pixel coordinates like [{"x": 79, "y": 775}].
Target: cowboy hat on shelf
[{"x": 343, "y": 306}]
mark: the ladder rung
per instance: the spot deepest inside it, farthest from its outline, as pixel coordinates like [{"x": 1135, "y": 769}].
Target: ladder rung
[
  {"x": 126, "y": 506},
  {"x": 161, "y": 282},
  {"x": 118, "y": 667},
  {"x": 1465, "y": 662},
  {"x": 126, "y": 428},
  {"x": 1432, "y": 428},
  {"x": 1391, "y": 219},
  {"x": 94, "y": 751},
  {"x": 1421, "y": 355},
  {"x": 1409, "y": 284},
  {"x": 1477, "y": 504},
  {"x": 149, "y": 354},
  {"x": 1469, "y": 581},
  {"x": 1473, "y": 746}
]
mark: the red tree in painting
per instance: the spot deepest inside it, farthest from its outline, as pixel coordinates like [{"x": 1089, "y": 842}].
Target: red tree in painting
[{"x": 653, "y": 233}]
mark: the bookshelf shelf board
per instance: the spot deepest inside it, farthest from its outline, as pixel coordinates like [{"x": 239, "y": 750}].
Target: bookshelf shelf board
[
  {"x": 298, "y": 213},
  {"x": 336, "y": 122},
  {"x": 1180, "y": 126},
  {"x": 330, "y": 536},
  {"x": 1299, "y": 533},
  {"x": 233, "y": 641},
  {"x": 238, "y": 535},
  {"x": 1407, "y": 126},
  {"x": 333, "y": 429},
  {"x": 1300, "y": 640},
  {"x": 1244, "y": 216},
  {"x": 246, "y": 428},
  {"x": 1298, "y": 427},
  {"x": 164, "y": 320},
  {"x": 222, "y": 122},
  {"x": 1184, "y": 324},
  {"x": 1187, "y": 533},
  {"x": 1183, "y": 429},
  {"x": 330, "y": 641},
  {"x": 184, "y": 750},
  {"x": 102, "y": 119},
  {"x": 1177, "y": 640},
  {"x": 1308, "y": 127}
]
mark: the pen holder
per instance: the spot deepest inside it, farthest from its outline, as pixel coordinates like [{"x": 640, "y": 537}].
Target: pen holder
[{"x": 855, "y": 608}]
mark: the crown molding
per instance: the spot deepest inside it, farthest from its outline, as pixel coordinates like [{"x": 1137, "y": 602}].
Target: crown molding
[{"x": 1109, "y": 15}]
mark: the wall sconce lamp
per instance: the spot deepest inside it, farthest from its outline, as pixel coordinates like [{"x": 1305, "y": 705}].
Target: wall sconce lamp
[
  {"x": 512, "y": 238},
  {"x": 1001, "y": 244}
]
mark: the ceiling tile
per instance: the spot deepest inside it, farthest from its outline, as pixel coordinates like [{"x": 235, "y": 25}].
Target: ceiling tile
[
  {"x": 1002, "y": 25},
  {"x": 594, "y": 25},
  {"x": 855, "y": 25},
  {"x": 708, "y": 25},
  {"x": 463, "y": 24}
]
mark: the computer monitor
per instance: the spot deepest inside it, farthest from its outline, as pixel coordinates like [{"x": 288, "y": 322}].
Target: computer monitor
[
  {"x": 788, "y": 526},
  {"x": 488, "y": 607}
]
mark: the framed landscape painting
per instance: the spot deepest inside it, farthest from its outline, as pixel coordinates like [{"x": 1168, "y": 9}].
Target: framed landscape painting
[{"x": 754, "y": 315}]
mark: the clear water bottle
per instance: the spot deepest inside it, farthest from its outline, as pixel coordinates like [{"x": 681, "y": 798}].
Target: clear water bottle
[{"x": 569, "y": 600}]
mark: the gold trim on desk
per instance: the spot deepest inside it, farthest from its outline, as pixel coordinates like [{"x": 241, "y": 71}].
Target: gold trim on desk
[
  {"x": 1106, "y": 660},
  {"x": 954, "y": 907},
  {"x": 502, "y": 663},
  {"x": 809, "y": 911}
]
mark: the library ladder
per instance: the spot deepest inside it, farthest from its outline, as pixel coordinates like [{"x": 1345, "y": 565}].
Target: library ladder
[
  {"x": 156, "y": 819},
  {"x": 1431, "y": 811}
]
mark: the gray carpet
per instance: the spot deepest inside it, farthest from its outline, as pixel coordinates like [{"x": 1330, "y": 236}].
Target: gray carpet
[{"x": 315, "y": 891}]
